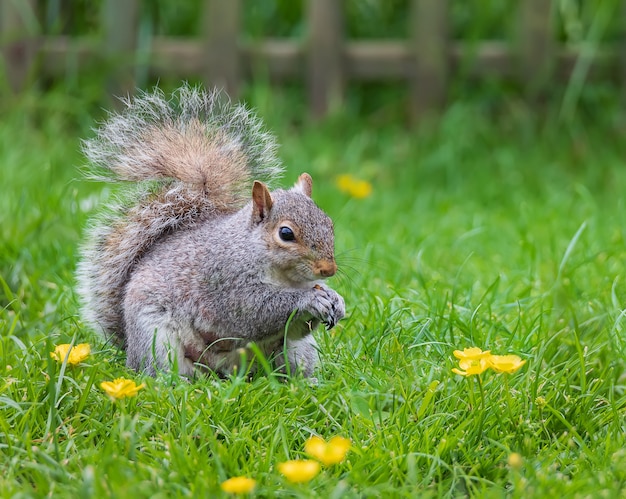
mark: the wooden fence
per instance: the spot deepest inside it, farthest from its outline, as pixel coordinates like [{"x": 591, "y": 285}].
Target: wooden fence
[{"x": 325, "y": 60}]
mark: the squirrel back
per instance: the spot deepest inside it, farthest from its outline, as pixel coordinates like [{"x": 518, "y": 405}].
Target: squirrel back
[{"x": 187, "y": 159}]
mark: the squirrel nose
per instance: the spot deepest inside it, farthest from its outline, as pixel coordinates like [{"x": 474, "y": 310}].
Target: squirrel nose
[{"x": 325, "y": 268}]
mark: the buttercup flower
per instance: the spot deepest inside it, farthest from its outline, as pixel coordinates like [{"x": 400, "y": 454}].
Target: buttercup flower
[
  {"x": 471, "y": 367},
  {"x": 353, "y": 186},
  {"x": 238, "y": 485},
  {"x": 473, "y": 353},
  {"x": 329, "y": 453},
  {"x": 120, "y": 388},
  {"x": 505, "y": 363},
  {"x": 472, "y": 361},
  {"x": 77, "y": 353},
  {"x": 475, "y": 361},
  {"x": 299, "y": 470},
  {"x": 515, "y": 461}
]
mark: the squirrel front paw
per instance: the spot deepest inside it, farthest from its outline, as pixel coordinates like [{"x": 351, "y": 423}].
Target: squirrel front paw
[{"x": 326, "y": 305}]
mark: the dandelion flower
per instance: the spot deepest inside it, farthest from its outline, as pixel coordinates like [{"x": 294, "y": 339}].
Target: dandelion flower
[
  {"x": 505, "y": 363},
  {"x": 329, "y": 453},
  {"x": 355, "y": 187},
  {"x": 120, "y": 388},
  {"x": 299, "y": 470},
  {"x": 238, "y": 485},
  {"x": 77, "y": 353}
]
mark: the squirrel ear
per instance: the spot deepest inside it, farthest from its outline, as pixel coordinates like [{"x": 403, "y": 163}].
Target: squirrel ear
[
  {"x": 304, "y": 184},
  {"x": 261, "y": 200}
]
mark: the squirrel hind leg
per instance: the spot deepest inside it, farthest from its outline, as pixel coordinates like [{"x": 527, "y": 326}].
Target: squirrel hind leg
[
  {"x": 302, "y": 356},
  {"x": 153, "y": 342}
]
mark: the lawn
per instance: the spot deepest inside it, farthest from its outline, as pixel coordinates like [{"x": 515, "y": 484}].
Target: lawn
[{"x": 495, "y": 227}]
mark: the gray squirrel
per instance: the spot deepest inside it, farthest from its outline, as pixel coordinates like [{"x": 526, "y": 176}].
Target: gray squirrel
[{"x": 200, "y": 258}]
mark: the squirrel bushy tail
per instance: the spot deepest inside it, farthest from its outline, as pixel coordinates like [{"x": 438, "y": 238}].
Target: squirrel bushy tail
[
  {"x": 196, "y": 137},
  {"x": 189, "y": 158}
]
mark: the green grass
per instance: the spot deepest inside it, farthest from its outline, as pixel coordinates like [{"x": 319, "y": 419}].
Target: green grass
[{"x": 492, "y": 229}]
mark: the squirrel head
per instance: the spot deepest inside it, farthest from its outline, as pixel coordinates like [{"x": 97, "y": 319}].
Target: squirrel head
[{"x": 298, "y": 235}]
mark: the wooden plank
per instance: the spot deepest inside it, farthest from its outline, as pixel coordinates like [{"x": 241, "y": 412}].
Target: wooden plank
[
  {"x": 378, "y": 60},
  {"x": 178, "y": 58},
  {"x": 391, "y": 60},
  {"x": 536, "y": 45},
  {"x": 121, "y": 23},
  {"x": 492, "y": 59},
  {"x": 222, "y": 66},
  {"x": 277, "y": 59},
  {"x": 623, "y": 51},
  {"x": 61, "y": 53},
  {"x": 18, "y": 40},
  {"x": 429, "y": 46},
  {"x": 364, "y": 61},
  {"x": 325, "y": 61}
]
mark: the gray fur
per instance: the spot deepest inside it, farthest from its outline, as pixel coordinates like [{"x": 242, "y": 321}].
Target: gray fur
[{"x": 187, "y": 270}]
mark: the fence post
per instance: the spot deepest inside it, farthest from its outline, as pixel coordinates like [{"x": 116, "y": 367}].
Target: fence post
[
  {"x": 622, "y": 58},
  {"x": 325, "y": 55},
  {"x": 429, "y": 48},
  {"x": 18, "y": 45},
  {"x": 222, "y": 63},
  {"x": 536, "y": 45},
  {"x": 120, "y": 20}
]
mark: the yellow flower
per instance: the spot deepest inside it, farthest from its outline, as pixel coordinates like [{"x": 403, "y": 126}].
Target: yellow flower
[
  {"x": 353, "y": 186},
  {"x": 471, "y": 367},
  {"x": 472, "y": 361},
  {"x": 473, "y": 353},
  {"x": 238, "y": 485},
  {"x": 505, "y": 363},
  {"x": 77, "y": 353},
  {"x": 299, "y": 470},
  {"x": 120, "y": 388},
  {"x": 475, "y": 361},
  {"x": 329, "y": 453},
  {"x": 515, "y": 461}
]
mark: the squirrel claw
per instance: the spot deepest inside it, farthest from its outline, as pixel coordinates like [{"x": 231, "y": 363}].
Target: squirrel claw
[{"x": 329, "y": 306}]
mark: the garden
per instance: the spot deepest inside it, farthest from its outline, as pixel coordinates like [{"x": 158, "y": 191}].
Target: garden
[{"x": 482, "y": 259}]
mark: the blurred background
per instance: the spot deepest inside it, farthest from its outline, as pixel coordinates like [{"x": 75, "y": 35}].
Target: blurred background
[
  {"x": 397, "y": 59},
  {"x": 492, "y": 128}
]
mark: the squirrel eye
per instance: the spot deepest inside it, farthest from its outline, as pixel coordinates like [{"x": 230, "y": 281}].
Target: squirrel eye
[{"x": 286, "y": 234}]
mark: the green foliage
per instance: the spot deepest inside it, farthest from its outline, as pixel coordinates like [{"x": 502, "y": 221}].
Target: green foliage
[
  {"x": 469, "y": 19},
  {"x": 492, "y": 228}
]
